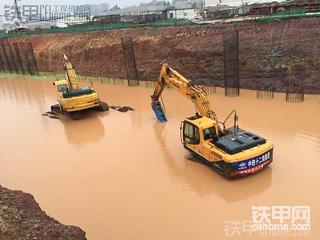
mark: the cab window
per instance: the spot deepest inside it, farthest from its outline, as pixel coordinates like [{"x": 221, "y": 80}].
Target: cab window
[
  {"x": 190, "y": 133},
  {"x": 210, "y": 134},
  {"x": 62, "y": 88}
]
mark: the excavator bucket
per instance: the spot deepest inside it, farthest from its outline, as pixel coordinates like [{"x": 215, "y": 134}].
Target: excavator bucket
[{"x": 158, "y": 110}]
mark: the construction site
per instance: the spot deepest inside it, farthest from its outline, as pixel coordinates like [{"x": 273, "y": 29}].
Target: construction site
[{"x": 173, "y": 131}]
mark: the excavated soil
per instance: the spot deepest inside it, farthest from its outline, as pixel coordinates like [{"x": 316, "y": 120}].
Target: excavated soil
[
  {"x": 22, "y": 219},
  {"x": 196, "y": 51}
]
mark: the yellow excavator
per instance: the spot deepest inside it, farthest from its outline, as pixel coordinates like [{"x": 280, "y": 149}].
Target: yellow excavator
[
  {"x": 233, "y": 152},
  {"x": 74, "y": 100}
]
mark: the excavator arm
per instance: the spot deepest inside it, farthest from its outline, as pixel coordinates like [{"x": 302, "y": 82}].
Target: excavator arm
[
  {"x": 70, "y": 73},
  {"x": 170, "y": 77}
]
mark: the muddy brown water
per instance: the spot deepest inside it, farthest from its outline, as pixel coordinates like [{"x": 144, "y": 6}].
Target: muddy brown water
[{"x": 126, "y": 176}]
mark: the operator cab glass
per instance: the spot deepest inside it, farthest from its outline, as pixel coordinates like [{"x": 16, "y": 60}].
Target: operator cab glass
[
  {"x": 210, "y": 134},
  {"x": 62, "y": 88},
  {"x": 190, "y": 133}
]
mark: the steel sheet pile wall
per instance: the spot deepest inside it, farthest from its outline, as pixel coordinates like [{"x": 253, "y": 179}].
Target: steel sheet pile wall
[
  {"x": 31, "y": 58},
  {"x": 231, "y": 63},
  {"x": 11, "y": 58},
  {"x": 130, "y": 61},
  {"x": 2, "y": 63},
  {"x": 4, "y": 56},
  {"x": 24, "y": 57},
  {"x": 17, "y": 57}
]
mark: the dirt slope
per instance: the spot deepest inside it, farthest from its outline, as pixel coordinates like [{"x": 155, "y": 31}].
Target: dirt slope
[
  {"x": 22, "y": 219},
  {"x": 196, "y": 51}
]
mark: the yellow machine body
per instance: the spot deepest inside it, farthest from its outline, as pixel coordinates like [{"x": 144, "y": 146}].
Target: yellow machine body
[
  {"x": 87, "y": 99},
  {"x": 72, "y": 98},
  {"x": 241, "y": 162},
  {"x": 231, "y": 151}
]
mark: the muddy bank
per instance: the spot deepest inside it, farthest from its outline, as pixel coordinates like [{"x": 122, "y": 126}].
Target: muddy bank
[
  {"x": 22, "y": 219},
  {"x": 196, "y": 51}
]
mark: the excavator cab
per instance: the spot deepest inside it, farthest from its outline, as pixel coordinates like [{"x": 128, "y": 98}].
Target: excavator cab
[
  {"x": 210, "y": 134},
  {"x": 63, "y": 88},
  {"x": 190, "y": 133},
  {"x": 197, "y": 129},
  {"x": 61, "y": 85}
]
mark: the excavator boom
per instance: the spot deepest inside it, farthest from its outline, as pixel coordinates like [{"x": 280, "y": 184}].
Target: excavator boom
[
  {"x": 170, "y": 77},
  {"x": 70, "y": 73}
]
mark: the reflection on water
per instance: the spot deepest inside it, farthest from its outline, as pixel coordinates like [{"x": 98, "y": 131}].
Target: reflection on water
[
  {"x": 77, "y": 134},
  {"x": 21, "y": 91},
  {"x": 126, "y": 176}
]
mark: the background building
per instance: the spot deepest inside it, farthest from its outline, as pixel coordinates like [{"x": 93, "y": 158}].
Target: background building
[{"x": 188, "y": 13}]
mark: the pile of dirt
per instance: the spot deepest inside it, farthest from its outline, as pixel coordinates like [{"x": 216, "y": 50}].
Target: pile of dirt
[
  {"x": 51, "y": 114},
  {"x": 22, "y": 219},
  {"x": 196, "y": 51},
  {"x": 122, "y": 108}
]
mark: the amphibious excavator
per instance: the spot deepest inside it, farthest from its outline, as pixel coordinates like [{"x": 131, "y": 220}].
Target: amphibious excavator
[
  {"x": 232, "y": 151},
  {"x": 74, "y": 100}
]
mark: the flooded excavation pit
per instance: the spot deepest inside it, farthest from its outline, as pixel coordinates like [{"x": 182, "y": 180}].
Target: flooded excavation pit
[{"x": 127, "y": 176}]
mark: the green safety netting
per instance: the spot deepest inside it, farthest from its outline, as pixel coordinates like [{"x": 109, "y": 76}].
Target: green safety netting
[
  {"x": 286, "y": 14},
  {"x": 99, "y": 27}
]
